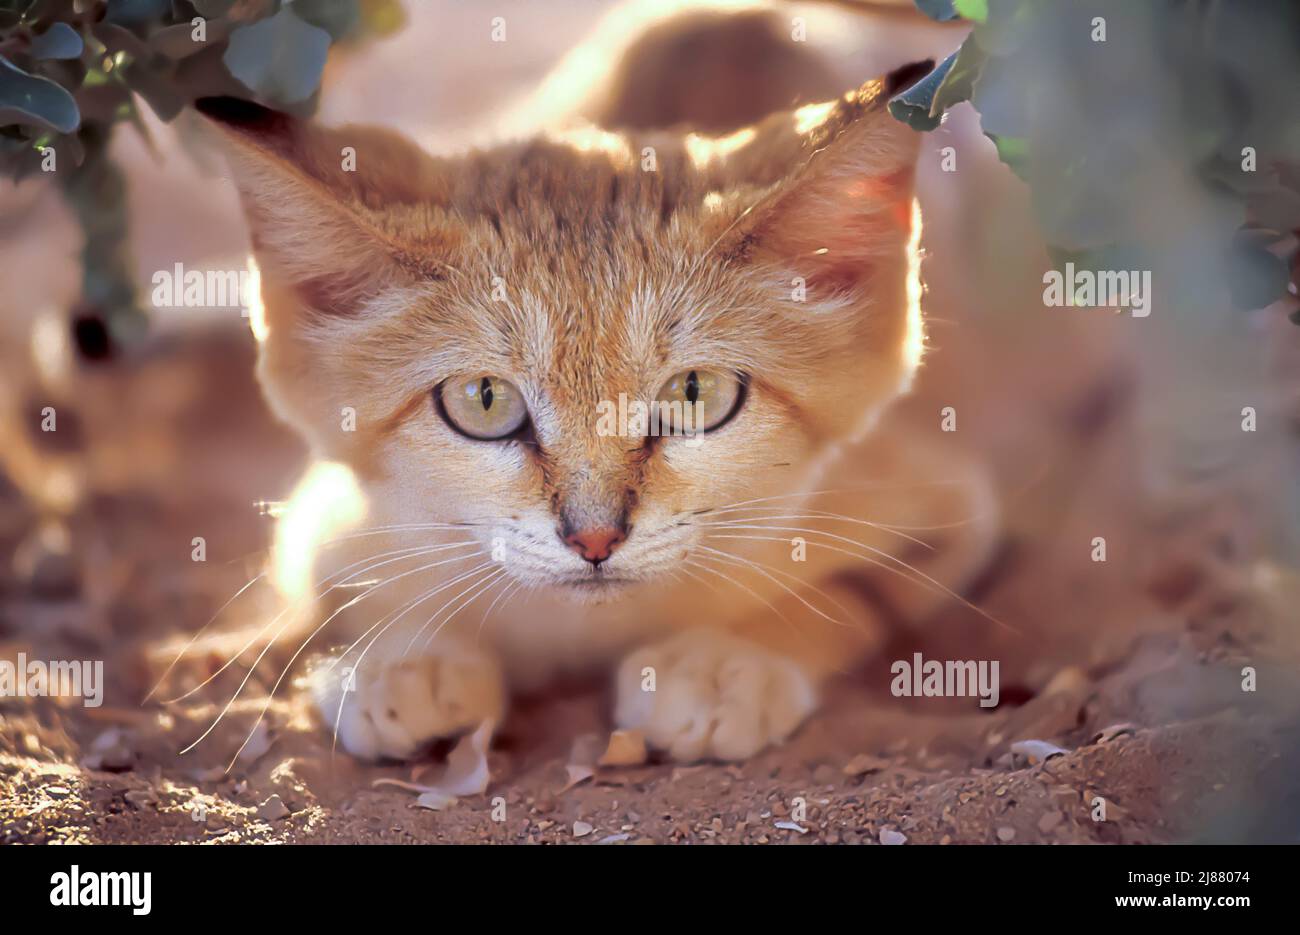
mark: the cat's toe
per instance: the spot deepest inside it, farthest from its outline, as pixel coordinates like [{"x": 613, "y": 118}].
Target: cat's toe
[
  {"x": 710, "y": 695},
  {"x": 393, "y": 709}
]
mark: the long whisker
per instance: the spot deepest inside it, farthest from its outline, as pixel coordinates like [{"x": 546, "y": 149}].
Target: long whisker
[
  {"x": 860, "y": 488},
  {"x": 748, "y": 590},
  {"x": 921, "y": 579},
  {"x": 314, "y": 633},
  {"x": 478, "y": 587},
  {"x": 389, "y": 619},
  {"x": 260, "y": 656},
  {"x": 412, "y": 552},
  {"x": 512, "y": 587},
  {"x": 368, "y": 531},
  {"x": 396, "y": 528},
  {"x": 704, "y": 581},
  {"x": 338, "y": 717},
  {"x": 819, "y": 514},
  {"x": 197, "y": 633},
  {"x": 768, "y": 571}
]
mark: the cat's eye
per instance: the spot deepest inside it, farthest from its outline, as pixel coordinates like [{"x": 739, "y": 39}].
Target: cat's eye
[
  {"x": 705, "y": 399},
  {"x": 485, "y": 408}
]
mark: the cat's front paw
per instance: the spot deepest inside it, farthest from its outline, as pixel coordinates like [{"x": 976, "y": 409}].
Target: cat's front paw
[
  {"x": 705, "y": 694},
  {"x": 393, "y": 708}
]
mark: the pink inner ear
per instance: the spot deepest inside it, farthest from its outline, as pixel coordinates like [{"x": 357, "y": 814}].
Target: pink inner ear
[
  {"x": 871, "y": 217},
  {"x": 883, "y": 197}
]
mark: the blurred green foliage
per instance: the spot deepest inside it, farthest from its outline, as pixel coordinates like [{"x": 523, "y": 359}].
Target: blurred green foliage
[
  {"x": 71, "y": 70},
  {"x": 1120, "y": 114}
]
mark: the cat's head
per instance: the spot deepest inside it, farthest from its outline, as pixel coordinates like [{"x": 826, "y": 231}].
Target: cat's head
[{"x": 473, "y": 335}]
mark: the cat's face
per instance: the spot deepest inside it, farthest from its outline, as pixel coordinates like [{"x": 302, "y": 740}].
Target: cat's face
[{"x": 482, "y": 340}]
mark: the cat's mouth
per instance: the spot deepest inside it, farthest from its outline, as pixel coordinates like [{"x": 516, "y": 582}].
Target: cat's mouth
[{"x": 594, "y": 585}]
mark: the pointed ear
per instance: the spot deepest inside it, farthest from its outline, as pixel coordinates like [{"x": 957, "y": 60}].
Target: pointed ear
[
  {"x": 324, "y": 205},
  {"x": 842, "y": 212}
]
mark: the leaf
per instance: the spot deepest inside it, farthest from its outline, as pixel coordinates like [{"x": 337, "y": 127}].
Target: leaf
[
  {"x": 913, "y": 105},
  {"x": 941, "y": 10},
  {"x": 339, "y": 18},
  {"x": 1006, "y": 25},
  {"x": 280, "y": 59},
  {"x": 467, "y": 765},
  {"x": 975, "y": 10},
  {"x": 120, "y": 39},
  {"x": 136, "y": 11},
  {"x": 156, "y": 86},
  {"x": 67, "y": 73},
  {"x": 177, "y": 42},
  {"x": 1014, "y": 151},
  {"x": 27, "y": 99},
  {"x": 435, "y": 800},
  {"x": 100, "y": 103},
  {"x": 1001, "y": 98},
  {"x": 382, "y": 17},
  {"x": 1256, "y": 277},
  {"x": 210, "y": 9},
  {"x": 626, "y": 748},
  {"x": 59, "y": 41},
  {"x": 959, "y": 83},
  {"x": 206, "y": 75}
]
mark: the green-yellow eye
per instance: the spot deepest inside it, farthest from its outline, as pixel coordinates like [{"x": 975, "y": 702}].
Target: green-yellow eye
[
  {"x": 485, "y": 407},
  {"x": 704, "y": 399}
]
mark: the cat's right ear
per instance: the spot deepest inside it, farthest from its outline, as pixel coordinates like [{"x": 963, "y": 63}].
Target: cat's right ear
[{"x": 320, "y": 204}]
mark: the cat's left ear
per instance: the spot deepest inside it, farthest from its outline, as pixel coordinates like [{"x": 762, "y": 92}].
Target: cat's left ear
[
  {"x": 841, "y": 214},
  {"x": 324, "y": 204}
]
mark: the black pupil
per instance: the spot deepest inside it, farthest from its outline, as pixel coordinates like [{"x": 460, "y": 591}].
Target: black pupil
[
  {"x": 692, "y": 388},
  {"x": 485, "y": 393}
]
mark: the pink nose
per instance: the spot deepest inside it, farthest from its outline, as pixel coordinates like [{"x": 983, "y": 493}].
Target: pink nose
[{"x": 595, "y": 545}]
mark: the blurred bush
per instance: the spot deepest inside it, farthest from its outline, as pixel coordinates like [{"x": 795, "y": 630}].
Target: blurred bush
[
  {"x": 1121, "y": 116},
  {"x": 72, "y": 70}
]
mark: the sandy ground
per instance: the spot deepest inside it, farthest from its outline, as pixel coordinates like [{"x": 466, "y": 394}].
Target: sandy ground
[{"x": 1147, "y": 725}]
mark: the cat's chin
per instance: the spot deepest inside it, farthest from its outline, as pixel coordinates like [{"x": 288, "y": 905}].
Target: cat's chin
[{"x": 597, "y": 589}]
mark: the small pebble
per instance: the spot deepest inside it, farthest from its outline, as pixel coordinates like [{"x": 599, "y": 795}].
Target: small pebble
[{"x": 273, "y": 809}]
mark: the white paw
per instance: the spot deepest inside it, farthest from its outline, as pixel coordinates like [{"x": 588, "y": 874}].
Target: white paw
[
  {"x": 393, "y": 708},
  {"x": 715, "y": 695}
]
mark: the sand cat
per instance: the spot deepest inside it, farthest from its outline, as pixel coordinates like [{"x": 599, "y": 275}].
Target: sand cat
[{"x": 477, "y": 338}]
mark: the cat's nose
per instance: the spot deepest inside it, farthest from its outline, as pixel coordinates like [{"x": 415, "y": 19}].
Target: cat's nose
[{"x": 597, "y": 544}]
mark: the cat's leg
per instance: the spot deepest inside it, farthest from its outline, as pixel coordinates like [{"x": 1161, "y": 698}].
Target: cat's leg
[
  {"x": 711, "y": 693},
  {"x": 728, "y": 693},
  {"x": 391, "y": 707}
]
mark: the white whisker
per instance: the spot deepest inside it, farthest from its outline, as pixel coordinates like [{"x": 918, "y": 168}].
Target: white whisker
[
  {"x": 922, "y": 579},
  {"x": 819, "y": 514},
  {"x": 748, "y": 590},
  {"x": 260, "y": 656},
  {"x": 478, "y": 587},
  {"x": 412, "y": 552},
  {"x": 767, "y": 570}
]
